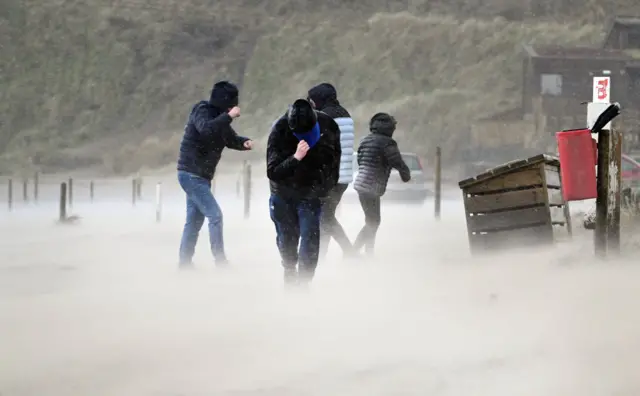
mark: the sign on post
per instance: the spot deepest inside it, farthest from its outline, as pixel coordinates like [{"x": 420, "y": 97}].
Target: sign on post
[
  {"x": 601, "y": 90},
  {"x": 600, "y": 101}
]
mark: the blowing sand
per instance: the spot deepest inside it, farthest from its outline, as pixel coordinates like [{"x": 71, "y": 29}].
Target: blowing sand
[{"x": 99, "y": 308}]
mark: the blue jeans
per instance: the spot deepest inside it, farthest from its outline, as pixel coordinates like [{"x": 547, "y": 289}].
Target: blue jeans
[
  {"x": 297, "y": 222},
  {"x": 200, "y": 204}
]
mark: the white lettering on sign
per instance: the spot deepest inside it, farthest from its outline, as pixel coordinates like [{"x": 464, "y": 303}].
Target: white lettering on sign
[{"x": 601, "y": 90}]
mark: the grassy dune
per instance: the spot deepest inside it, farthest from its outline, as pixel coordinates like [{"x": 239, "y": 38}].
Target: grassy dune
[
  {"x": 435, "y": 72},
  {"x": 106, "y": 83}
]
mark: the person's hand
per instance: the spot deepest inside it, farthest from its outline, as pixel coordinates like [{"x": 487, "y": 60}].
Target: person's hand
[
  {"x": 248, "y": 144},
  {"x": 301, "y": 151},
  {"x": 234, "y": 112}
]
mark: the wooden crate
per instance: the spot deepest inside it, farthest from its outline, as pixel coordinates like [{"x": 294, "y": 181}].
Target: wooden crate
[{"x": 519, "y": 203}]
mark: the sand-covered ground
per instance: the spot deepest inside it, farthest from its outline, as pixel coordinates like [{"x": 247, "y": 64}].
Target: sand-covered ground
[{"x": 99, "y": 308}]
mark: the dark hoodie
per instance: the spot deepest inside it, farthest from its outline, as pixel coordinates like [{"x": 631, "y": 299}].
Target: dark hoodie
[
  {"x": 317, "y": 173},
  {"x": 378, "y": 153},
  {"x": 325, "y": 98},
  {"x": 208, "y": 132}
]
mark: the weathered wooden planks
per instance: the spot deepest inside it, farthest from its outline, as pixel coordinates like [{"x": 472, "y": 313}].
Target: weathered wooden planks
[
  {"x": 515, "y": 219},
  {"x": 532, "y": 177},
  {"x": 523, "y": 237},
  {"x": 518, "y": 203},
  {"x": 487, "y": 203}
]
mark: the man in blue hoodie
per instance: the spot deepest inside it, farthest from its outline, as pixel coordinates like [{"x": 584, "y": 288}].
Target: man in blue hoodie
[
  {"x": 303, "y": 165},
  {"x": 207, "y": 133}
]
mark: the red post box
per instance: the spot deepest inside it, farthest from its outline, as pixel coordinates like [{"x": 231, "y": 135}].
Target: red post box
[{"x": 578, "y": 162}]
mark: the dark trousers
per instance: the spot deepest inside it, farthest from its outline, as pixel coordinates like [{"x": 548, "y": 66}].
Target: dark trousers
[
  {"x": 297, "y": 223},
  {"x": 330, "y": 225},
  {"x": 367, "y": 235}
]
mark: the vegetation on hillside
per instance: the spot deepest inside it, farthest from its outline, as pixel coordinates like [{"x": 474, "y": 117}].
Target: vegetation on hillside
[{"x": 107, "y": 83}]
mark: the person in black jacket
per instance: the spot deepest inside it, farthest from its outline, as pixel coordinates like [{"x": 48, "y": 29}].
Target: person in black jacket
[
  {"x": 207, "y": 132},
  {"x": 303, "y": 162},
  {"x": 378, "y": 153},
  {"x": 325, "y": 99}
]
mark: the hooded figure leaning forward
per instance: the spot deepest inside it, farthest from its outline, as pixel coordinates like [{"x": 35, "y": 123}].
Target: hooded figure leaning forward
[
  {"x": 207, "y": 132},
  {"x": 303, "y": 164}
]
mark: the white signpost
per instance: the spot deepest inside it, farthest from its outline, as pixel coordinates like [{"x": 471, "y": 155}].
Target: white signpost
[{"x": 600, "y": 101}]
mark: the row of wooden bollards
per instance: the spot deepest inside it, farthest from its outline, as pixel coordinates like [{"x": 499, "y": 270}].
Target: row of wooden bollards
[
  {"x": 244, "y": 184},
  {"x": 244, "y": 179},
  {"x": 25, "y": 191}
]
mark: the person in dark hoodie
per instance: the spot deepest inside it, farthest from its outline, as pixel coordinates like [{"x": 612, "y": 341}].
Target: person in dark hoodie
[
  {"x": 303, "y": 163},
  {"x": 325, "y": 99},
  {"x": 207, "y": 132},
  {"x": 378, "y": 153}
]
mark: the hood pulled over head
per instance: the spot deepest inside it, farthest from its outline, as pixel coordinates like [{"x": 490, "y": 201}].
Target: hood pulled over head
[
  {"x": 382, "y": 124},
  {"x": 224, "y": 95},
  {"x": 301, "y": 117},
  {"x": 324, "y": 95}
]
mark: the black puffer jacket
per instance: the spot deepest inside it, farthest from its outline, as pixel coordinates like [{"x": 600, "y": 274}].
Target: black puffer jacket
[
  {"x": 312, "y": 177},
  {"x": 208, "y": 131},
  {"x": 378, "y": 153}
]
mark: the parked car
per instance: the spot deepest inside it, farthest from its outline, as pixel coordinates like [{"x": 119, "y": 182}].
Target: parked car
[
  {"x": 630, "y": 175},
  {"x": 630, "y": 172},
  {"x": 414, "y": 191}
]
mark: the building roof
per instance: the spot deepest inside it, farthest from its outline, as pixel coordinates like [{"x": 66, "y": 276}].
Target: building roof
[
  {"x": 621, "y": 20},
  {"x": 559, "y": 52},
  {"x": 627, "y": 20}
]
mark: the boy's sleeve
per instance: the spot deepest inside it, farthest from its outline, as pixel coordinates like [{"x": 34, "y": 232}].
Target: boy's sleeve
[{"x": 394, "y": 158}]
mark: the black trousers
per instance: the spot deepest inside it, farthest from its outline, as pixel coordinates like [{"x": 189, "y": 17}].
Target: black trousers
[
  {"x": 367, "y": 235},
  {"x": 330, "y": 225}
]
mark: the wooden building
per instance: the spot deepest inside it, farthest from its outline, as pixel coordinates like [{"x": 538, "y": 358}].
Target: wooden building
[
  {"x": 561, "y": 80},
  {"x": 623, "y": 33},
  {"x": 556, "y": 82}
]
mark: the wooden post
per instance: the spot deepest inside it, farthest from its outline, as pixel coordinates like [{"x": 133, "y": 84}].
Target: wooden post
[
  {"x": 438, "y": 181},
  {"x": 70, "y": 193},
  {"x": 10, "y": 194},
  {"x": 25, "y": 192},
  {"x": 139, "y": 188},
  {"x": 91, "y": 190},
  {"x": 63, "y": 202},
  {"x": 133, "y": 191},
  {"x": 158, "y": 201},
  {"x": 36, "y": 186},
  {"x": 607, "y": 232},
  {"x": 247, "y": 189}
]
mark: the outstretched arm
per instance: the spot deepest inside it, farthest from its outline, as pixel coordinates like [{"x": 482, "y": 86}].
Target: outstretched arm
[
  {"x": 232, "y": 140},
  {"x": 219, "y": 127},
  {"x": 210, "y": 127},
  {"x": 394, "y": 158}
]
